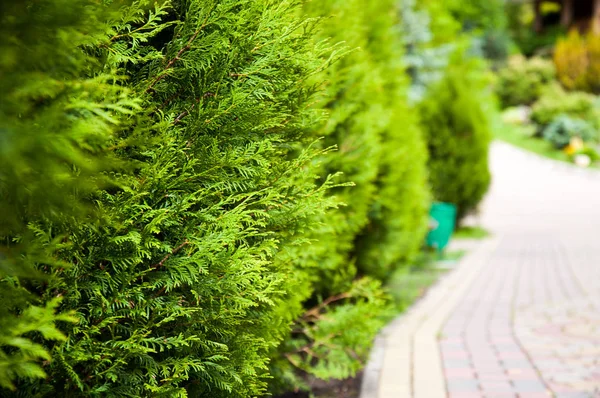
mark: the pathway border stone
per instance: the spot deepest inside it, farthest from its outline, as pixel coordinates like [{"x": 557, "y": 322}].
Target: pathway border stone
[{"x": 405, "y": 361}]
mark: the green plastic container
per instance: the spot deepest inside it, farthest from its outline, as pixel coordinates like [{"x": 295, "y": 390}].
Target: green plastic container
[{"x": 443, "y": 217}]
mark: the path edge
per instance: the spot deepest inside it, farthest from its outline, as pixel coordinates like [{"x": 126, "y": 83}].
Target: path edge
[{"x": 410, "y": 321}]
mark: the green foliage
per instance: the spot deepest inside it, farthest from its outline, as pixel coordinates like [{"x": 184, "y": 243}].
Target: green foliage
[
  {"x": 563, "y": 128},
  {"x": 555, "y": 101},
  {"x": 173, "y": 225},
  {"x": 58, "y": 114},
  {"x": 381, "y": 146},
  {"x": 382, "y": 154},
  {"x": 483, "y": 20},
  {"x": 398, "y": 216},
  {"x": 487, "y": 20},
  {"x": 577, "y": 60},
  {"x": 522, "y": 80},
  {"x": 425, "y": 62},
  {"x": 479, "y": 14},
  {"x": 455, "y": 121},
  {"x": 520, "y": 22},
  {"x": 445, "y": 28},
  {"x": 470, "y": 233},
  {"x": 495, "y": 45},
  {"x": 174, "y": 287},
  {"x": 590, "y": 152}
]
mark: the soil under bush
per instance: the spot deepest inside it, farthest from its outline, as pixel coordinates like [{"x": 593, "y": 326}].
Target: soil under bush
[{"x": 348, "y": 388}]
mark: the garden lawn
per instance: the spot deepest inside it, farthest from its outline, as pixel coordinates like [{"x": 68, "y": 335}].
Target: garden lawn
[
  {"x": 521, "y": 136},
  {"x": 470, "y": 233},
  {"x": 407, "y": 285}
]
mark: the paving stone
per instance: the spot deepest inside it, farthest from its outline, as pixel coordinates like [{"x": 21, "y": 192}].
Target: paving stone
[
  {"x": 456, "y": 363},
  {"x": 464, "y": 395},
  {"x": 455, "y": 355},
  {"x": 528, "y": 386},
  {"x": 467, "y": 373},
  {"x": 494, "y": 376},
  {"x": 496, "y": 386},
  {"x": 462, "y": 385},
  {"x": 573, "y": 395},
  {"x": 515, "y": 363}
]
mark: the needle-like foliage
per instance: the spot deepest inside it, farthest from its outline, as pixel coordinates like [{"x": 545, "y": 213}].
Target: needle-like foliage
[{"x": 173, "y": 224}]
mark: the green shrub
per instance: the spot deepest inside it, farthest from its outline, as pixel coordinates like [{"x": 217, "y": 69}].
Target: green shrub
[
  {"x": 563, "y": 128},
  {"x": 590, "y": 152},
  {"x": 168, "y": 205},
  {"x": 325, "y": 270},
  {"x": 58, "y": 114},
  {"x": 381, "y": 152},
  {"x": 495, "y": 45},
  {"x": 398, "y": 216},
  {"x": 522, "y": 80},
  {"x": 521, "y": 18},
  {"x": 484, "y": 21},
  {"x": 205, "y": 107},
  {"x": 577, "y": 60},
  {"x": 455, "y": 121},
  {"x": 555, "y": 101},
  {"x": 425, "y": 62},
  {"x": 182, "y": 207}
]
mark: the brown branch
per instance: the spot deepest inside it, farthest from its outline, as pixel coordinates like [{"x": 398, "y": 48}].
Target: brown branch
[
  {"x": 314, "y": 312},
  {"x": 178, "y": 248},
  {"x": 185, "y": 113},
  {"x": 161, "y": 291},
  {"x": 171, "y": 98},
  {"x": 292, "y": 361},
  {"x": 177, "y": 57}
]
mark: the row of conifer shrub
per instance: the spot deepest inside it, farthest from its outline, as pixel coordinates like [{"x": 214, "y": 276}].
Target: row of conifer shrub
[{"x": 200, "y": 197}]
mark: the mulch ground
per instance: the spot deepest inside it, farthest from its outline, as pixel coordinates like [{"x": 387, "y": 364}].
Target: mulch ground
[{"x": 348, "y": 388}]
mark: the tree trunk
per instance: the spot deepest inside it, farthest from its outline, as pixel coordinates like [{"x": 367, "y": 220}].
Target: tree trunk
[
  {"x": 538, "y": 24},
  {"x": 595, "y": 28},
  {"x": 566, "y": 15}
]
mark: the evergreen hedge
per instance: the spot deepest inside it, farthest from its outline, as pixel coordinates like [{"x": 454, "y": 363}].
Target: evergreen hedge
[
  {"x": 175, "y": 288},
  {"x": 173, "y": 225},
  {"x": 382, "y": 221},
  {"x": 59, "y": 113},
  {"x": 454, "y": 116},
  {"x": 398, "y": 215}
]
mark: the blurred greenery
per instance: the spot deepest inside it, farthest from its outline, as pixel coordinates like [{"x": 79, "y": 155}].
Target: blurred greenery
[
  {"x": 523, "y": 136},
  {"x": 470, "y": 233},
  {"x": 409, "y": 284},
  {"x": 522, "y": 80}
]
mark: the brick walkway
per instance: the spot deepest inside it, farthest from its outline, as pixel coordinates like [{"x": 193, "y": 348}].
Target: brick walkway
[{"x": 520, "y": 317}]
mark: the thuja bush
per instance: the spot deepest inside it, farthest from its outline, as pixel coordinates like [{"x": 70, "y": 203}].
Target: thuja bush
[
  {"x": 381, "y": 222},
  {"x": 454, "y": 119},
  {"x": 398, "y": 215},
  {"x": 58, "y": 115},
  {"x": 203, "y": 108},
  {"x": 170, "y": 208}
]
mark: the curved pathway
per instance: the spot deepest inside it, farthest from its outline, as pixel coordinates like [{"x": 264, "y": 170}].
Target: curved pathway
[{"x": 520, "y": 316}]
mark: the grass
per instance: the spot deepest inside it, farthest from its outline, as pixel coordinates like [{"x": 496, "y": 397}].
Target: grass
[
  {"x": 470, "y": 233},
  {"x": 521, "y": 136},
  {"x": 408, "y": 284}
]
